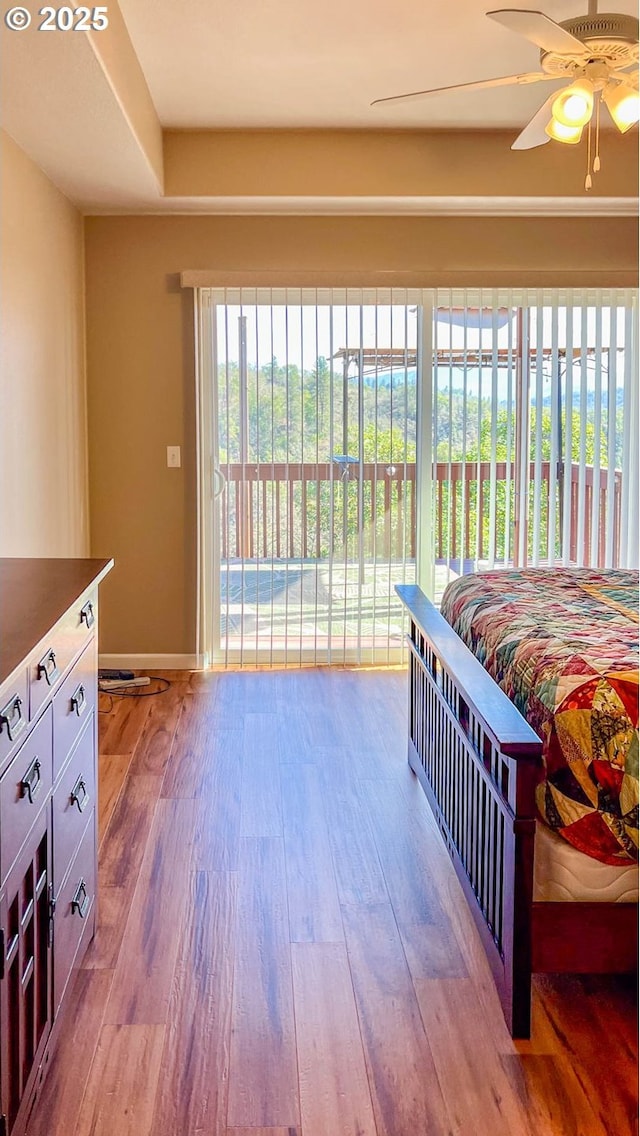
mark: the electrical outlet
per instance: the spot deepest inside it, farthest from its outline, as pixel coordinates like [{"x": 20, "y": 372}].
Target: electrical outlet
[{"x": 173, "y": 457}]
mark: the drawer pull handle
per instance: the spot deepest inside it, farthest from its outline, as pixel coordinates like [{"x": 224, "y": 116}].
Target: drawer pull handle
[
  {"x": 79, "y": 795},
  {"x": 11, "y": 717},
  {"x": 80, "y": 902},
  {"x": 48, "y": 668},
  {"x": 88, "y": 615},
  {"x": 31, "y": 782},
  {"x": 52, "y": 912},
  {"x": 79, "y": 701}
]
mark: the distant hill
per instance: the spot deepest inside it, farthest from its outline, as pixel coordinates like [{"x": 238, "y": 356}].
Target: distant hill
[{"x": 391, "y": 380}]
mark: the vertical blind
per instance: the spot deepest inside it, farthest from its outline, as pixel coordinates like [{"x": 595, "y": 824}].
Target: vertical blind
[
  {"x": 355, "y": 439},
  {"x": 313, "y": 438},
  {"x": 534, "y": 430}
]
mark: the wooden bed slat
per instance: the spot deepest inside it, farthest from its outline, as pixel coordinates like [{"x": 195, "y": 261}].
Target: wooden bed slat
[{"x": 501, "y": 722}]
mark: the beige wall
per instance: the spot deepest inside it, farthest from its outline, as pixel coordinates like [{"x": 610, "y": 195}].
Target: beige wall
[
  {"x": 43, "y": 450},
  {"x": 140, "y": 358},
  {"x": 388, "y": 164}
]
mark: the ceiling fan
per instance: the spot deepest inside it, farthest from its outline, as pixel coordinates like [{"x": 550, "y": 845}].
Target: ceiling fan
[{"x": 597, "y": 54}]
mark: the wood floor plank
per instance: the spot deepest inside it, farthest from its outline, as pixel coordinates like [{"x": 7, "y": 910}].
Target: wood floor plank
[
  {"x": 205, "y": 682},
  {"x": 611, "y": 997},
  {"x": 113, "y": 771},
  {"x": 57, "y": 1109},
  {"x": 154, "y": 927},
  {"x": 354, "y": 697},
  {"x": 195, "y": 739},
  {"x": 121, "y": 855},
  {"x": 218, "y": 809},
  {"x": 119, "y": 731},
  {"x": 480, "y": 1095},
  {"x": 323, "y": 724},
  {"x": 261, "y": 797},
  {"x": 121, "y": 1088},
  {"x": 309, "y": 691},
  {"x": 389, "y": 708},
  {"x": 554, "y": 1099},
  {"x": 113, "y": 910},
  {"x": 243, "y": 692},
  {"x": 208, "y": 769},
  {"x": 359, "y": 875},
  {"x": 406, "y": 1092},
  {"x": 263, "y": 1077},
  {"x": 404, "y": 840},
  {"x": 153, "y": 749},
  {"x": 314, "y": 906},
  {"x": 192, "y": 1092},
  {"x": 581, "y": 1011},
  {"x": 451, "y": 898},
  {"x": 295, "y": 731},
  {"x": 289, "y": 1131},
  {"x": 334, "y": 1090}
]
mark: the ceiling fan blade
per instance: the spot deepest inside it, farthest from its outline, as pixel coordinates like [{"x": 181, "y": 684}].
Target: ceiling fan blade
[
  {"x": 533, "y": 133},
  {"x": 503, "y": 81},
  {"x": 627, "y": 74},
  {"x": 539, "y": 29}
]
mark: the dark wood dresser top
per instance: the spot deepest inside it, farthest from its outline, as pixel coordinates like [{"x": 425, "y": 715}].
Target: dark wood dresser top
[{"x": 34, "y": 594}]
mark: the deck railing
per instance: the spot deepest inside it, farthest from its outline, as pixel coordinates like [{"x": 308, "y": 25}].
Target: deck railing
[
  {"x": 463, "y": 503},
  {"x": 310, "y": 510}
]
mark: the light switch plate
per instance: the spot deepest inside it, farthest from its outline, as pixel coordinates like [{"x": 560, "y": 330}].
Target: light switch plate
[{"x": 174, "y": 460}]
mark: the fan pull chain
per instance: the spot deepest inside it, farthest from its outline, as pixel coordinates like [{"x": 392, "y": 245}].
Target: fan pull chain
[
  {"x": 587, "y": 181},
  {"x": 596, "y": 160}
]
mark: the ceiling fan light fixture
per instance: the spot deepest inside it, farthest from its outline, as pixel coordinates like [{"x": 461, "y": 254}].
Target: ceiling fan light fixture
[
  {"x": 561, "y": 133},
  {"x": 623, "y": 103},
  {"x": 594, "y": 54},
  {"x": 574, "y": 105}
]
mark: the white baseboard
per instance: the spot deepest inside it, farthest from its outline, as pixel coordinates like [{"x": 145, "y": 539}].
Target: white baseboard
[{"x": 150, "y": 662}]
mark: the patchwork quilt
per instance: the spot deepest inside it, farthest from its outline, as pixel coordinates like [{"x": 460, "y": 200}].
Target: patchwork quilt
[{"x": 563, "y": 645}]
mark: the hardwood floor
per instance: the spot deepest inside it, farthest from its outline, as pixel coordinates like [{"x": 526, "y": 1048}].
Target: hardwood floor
[{"x": 283, "y": 948}]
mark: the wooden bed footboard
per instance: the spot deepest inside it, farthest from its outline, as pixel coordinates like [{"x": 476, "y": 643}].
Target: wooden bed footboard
[{"x": 478, "y": 762}]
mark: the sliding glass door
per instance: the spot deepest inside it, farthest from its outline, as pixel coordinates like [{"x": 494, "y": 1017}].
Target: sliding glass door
[
  {"x": 352, "y": 439},
  {"x": 310, "y": 407},
  {"x": 534, "y": 436}
]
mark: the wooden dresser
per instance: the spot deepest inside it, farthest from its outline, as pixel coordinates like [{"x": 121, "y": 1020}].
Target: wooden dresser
[{"x": 48, "y": 827}]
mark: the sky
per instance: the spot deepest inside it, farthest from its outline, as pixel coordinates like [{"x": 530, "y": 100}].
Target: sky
[{"x": 301, "y": 333}]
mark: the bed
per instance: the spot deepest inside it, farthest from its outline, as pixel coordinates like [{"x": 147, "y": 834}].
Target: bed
[{"x": 523, "y": 714}]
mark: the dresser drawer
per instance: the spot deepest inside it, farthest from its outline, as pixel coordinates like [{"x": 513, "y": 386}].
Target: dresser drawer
[
  {"x": 73, "y": 705},
  {"x": 48, "y": 665},
  {"x": 74, "y": 911},
  {"x": 73, "y": 799},
  {"x": 24, "y": 789},
  {"x": 14, "y": 715}
]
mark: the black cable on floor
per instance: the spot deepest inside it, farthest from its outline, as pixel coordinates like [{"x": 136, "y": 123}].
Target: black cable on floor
[{"x": 132, "y": 692}]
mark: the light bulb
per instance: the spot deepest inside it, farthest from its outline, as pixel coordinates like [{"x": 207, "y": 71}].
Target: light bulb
[
  {"x": 623, "y": 104},
  {"x": 561, "y": 133},
  {"x": 574, "y": 105}
]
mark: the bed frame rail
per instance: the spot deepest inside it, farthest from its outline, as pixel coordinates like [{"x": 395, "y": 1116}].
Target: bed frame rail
[{"x": 478, "y": 762}]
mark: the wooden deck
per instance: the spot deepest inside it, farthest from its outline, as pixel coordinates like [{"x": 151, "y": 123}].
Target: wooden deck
[
  {"x": 314, "y": 607},
  {"x": 283, "y": 946}
]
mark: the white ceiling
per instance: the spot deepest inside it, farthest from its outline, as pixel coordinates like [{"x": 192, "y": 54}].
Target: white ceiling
[
  {"x": 57, "y": 104},
  {"x": 269, "y": 63},
  {"x": 297, "y": 63}
]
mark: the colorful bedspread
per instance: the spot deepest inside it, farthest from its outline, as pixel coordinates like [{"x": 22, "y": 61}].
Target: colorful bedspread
[{"x": 563, "y": 645}]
